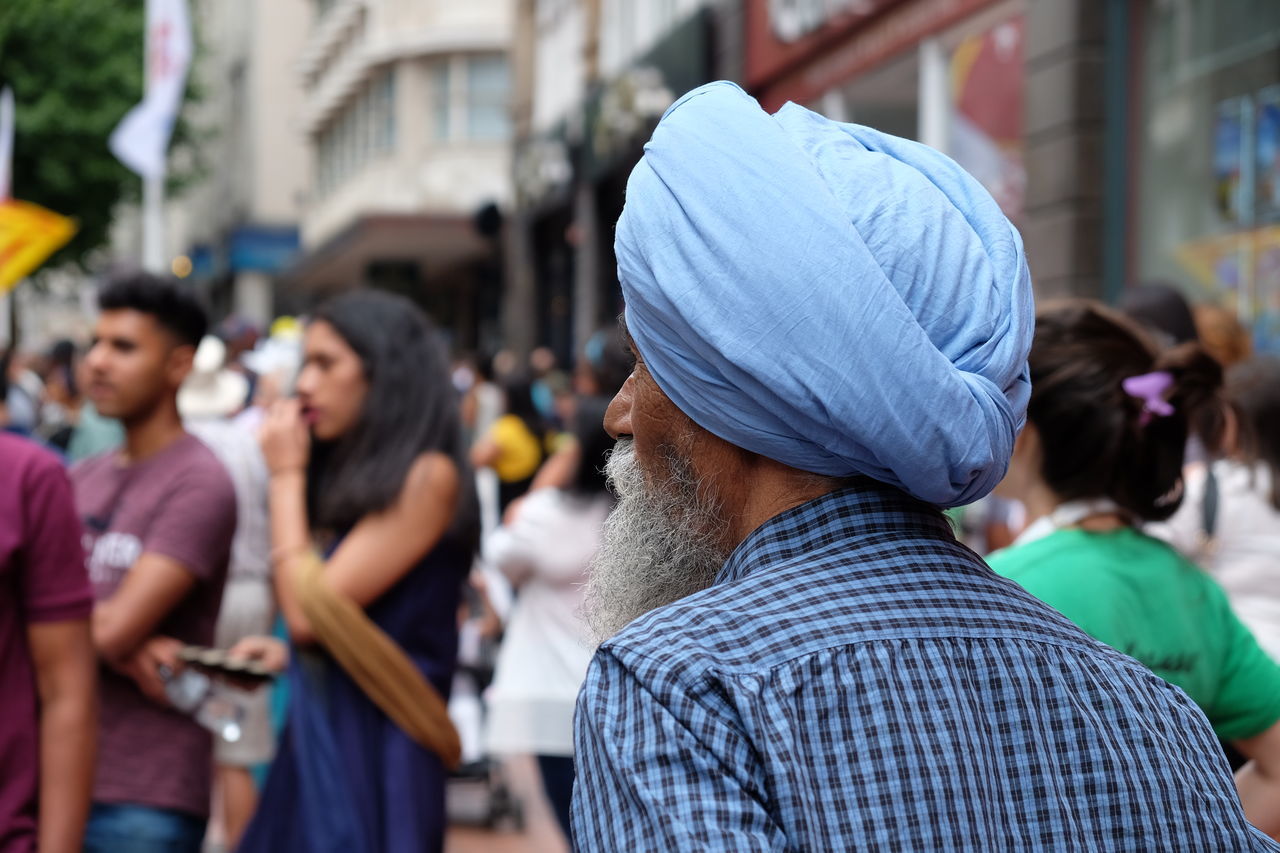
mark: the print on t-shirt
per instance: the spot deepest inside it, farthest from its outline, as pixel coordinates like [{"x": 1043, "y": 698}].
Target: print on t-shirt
[{"x": 111, "y": 557}]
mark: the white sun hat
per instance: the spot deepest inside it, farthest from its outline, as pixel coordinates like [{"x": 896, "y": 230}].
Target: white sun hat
[{"x": 211, "y": 390}]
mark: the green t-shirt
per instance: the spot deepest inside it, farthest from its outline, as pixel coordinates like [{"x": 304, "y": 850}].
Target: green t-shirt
[{"x": 1138, "y": 595}]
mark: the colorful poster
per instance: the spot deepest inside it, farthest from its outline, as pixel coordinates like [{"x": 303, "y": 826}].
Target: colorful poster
[
  {"x": 29, "y": 234},
  {"x": 1268, "y": 154},
  {"x": 1228, "y": 159},
  {"x": 1244, "y": 266},
  {"x": 986, "y": 112}
]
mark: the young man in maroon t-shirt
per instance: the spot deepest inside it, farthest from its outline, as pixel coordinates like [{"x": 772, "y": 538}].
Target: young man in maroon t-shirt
[
  {"x": 48, "y": 684},
  {"x": 158, "y": 517}
]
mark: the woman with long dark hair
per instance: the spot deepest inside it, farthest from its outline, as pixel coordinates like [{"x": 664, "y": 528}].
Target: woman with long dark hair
[
  {"x": 366, "y": 468},
  {"x": 1102, "y": 454}
]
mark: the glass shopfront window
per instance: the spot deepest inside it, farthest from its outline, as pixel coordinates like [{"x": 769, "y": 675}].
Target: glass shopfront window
[{"x": 1208, "y": 156}]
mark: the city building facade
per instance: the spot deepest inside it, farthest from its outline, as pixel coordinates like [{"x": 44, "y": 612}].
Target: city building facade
[
  {"x": 1128, "y": 140},
  {"x": 594, "y": 77},
  {"x": 234, "y": 230},
  {"x": 406, "y": 113}
]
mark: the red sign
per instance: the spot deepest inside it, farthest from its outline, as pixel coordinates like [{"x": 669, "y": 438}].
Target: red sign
[
  {"x": 849, "y": 46},
  {"x": 781, "y": 33}
]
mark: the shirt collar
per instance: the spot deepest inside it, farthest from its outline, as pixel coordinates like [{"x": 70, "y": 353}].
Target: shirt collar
[{"x": 862, "y": 509}]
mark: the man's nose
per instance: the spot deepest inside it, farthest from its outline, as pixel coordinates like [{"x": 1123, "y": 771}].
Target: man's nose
[
  {"x": 93, "y": 358},
  {"x": 617, "y": 418}
]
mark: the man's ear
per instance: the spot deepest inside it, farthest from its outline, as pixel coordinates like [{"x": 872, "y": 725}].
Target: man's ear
[
  {"x": 1024, "y": 464},
  {"x": 179, "y": 364}
]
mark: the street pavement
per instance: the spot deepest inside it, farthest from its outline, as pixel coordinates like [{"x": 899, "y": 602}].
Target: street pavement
[{"x": 540, "y": 833}]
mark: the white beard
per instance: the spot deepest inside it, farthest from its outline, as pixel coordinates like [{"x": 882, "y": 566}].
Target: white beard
[{"x": 659, "y": 544}]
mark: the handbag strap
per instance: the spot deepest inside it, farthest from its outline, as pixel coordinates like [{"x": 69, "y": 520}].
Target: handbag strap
[{"x": 376, "y": 663}]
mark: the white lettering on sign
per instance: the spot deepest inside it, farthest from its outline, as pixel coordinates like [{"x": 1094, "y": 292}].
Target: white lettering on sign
[{"x": 792, "y": 20}]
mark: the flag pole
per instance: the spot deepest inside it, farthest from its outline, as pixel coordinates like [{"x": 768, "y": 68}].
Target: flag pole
[
  {"x": 153, "y": 223},
  {"x": 141, "y": 139}
]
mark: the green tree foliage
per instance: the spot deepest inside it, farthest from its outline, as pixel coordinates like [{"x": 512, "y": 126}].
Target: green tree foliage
[{"x": 76, "y": 68}]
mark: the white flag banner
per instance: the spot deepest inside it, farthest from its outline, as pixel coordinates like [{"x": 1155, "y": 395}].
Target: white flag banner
[
  {"x": 6, "y": 143},
  {"x": 141, "y": 139}
]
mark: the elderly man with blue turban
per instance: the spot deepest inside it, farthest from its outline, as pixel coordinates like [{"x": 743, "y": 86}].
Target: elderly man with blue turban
[{"x": 831, "y": 330}]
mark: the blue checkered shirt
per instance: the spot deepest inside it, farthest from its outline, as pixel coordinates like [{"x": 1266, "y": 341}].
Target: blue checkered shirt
[{"x": 857, "y": 679}]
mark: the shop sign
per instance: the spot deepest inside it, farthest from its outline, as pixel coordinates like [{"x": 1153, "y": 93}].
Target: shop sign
[
  {"x": 542, "y": 169},
  {"x": 263, "y": 249},
  {"x": 985, "y": 133},
  {"x": 791, "y": 20},
  {"x": 780, "y": 33},
  {"x": 836, "y": 61},
  {"x": 622, "y": 112},
  {"x": 630, "y": 104}
]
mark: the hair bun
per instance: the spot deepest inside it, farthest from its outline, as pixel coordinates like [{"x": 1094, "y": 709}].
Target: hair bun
[{"x": 1197, "y": 390}]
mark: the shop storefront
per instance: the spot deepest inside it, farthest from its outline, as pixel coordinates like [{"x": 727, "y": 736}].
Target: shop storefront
[
  {"x": 946, "y": 72},
  {"x": 1206, "y": 155}
]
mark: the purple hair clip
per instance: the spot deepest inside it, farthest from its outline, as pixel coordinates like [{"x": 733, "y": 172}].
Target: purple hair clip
[{"x": 1149, "y": 388}]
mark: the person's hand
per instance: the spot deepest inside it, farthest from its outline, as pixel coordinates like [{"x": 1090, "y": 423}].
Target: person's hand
[
  {"x": 269, "y": 652},
  {"x": 145, "y": 665},
  {"x": 285, "y": 441}
]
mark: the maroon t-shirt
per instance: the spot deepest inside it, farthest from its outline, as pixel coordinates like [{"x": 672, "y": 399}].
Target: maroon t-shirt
[
  {"x": 179, "y": 503},
  {"x": 42, "y": 579}
]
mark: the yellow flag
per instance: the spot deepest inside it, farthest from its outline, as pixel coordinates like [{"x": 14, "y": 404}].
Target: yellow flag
[{"x": 29, "y": 234}]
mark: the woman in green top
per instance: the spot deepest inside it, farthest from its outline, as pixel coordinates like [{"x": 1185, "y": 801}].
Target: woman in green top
[{"x": 1101, "y": 454}]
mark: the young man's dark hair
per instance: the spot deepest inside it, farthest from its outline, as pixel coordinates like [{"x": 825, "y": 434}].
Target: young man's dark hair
[{"x": 174, "y": 306}]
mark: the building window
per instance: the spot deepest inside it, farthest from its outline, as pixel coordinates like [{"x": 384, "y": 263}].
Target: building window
[
  {"x": 1208, "y": 156},
  {"x": 470, "y": 99},
  {"x": 382, "y": 114},
  {"x": 441, "y": 102},
  {"x": 488, "y": 116},
  {"x": 365, "y": 130}
]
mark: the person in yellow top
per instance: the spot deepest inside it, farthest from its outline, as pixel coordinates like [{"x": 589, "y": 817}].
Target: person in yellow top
[{"x": 516, "y": 445}]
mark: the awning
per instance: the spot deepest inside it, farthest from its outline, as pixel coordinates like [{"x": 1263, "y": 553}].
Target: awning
[{"x": 436, "y": 243}]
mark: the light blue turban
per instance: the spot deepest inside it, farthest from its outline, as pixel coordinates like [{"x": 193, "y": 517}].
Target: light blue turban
[{"x": 839, "y": 300}]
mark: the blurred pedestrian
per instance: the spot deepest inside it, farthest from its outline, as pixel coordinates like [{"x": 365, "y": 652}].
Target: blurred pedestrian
[
  {"x": 1101, "y": 454},
  {"x": 158, "y": 516},
  {"x": 1162, "y": 310},
  {"x": 1229, "y": 522},
  {"x": 1222, "y": 334},
  {"x": 516, "y": 444},
  {"x": 211, "y": 395},
  {"x": 48, "y": 670},
  {"x": 60, "y": 407},
  {"x": 601, "y": 370},
  {"x": 367, "y": 463},
  {"x": 801, "y": 656},
  {"x": 25, "y": 390},
  {"x": 544, "y": 551}
]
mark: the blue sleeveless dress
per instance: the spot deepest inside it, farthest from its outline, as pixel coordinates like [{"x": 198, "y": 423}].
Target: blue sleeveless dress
[{"x": 346, "y": 778}]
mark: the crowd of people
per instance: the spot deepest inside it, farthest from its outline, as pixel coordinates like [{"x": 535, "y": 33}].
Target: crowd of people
[{"x": 724, "y": 606}]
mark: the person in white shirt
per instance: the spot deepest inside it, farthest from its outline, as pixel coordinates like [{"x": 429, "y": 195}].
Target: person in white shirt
[
  {"x": 208, "y": 400},
  {"x": 545, "y": 549},
  {"x": 1229, "y": 521}
]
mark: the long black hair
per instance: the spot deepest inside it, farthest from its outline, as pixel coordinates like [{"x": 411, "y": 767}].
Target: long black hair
[
  {"x": 410, "y": 408},
  {"x": 1097, "y": 440}
]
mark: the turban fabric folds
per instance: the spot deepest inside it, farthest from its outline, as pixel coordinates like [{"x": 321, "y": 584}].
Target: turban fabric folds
[{"x": 837, "y": 299}]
